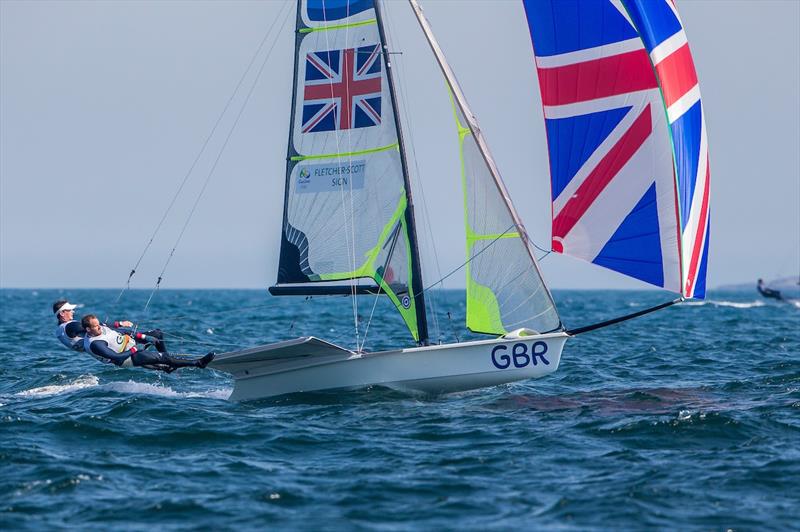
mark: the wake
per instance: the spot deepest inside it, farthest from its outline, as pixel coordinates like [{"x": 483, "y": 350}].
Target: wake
[
  {"x": 730, "y": 304},
  {"x": 82, "y": 382},
  {"x": 130, "y": 387}
]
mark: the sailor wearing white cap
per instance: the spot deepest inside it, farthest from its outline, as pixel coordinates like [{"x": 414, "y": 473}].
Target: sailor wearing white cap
[{"x": 69, "y": 331}]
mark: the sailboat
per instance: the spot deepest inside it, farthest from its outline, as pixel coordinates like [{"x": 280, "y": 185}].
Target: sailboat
[{"x": 630, "y": 192}]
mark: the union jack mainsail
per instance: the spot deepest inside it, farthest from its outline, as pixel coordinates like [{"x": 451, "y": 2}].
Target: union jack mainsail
[{"x": 630, "y": 182}]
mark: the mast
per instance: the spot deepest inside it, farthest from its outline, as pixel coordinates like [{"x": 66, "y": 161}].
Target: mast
[{"x": 416, "y": 271}]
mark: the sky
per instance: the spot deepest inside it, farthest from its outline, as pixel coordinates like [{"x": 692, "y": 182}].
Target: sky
[{"x": 105, "y": 105}]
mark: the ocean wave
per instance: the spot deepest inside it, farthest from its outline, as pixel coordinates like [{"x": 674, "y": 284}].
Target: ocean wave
[
  {"x": 144, "y": 388},
  {"x": 128, "y": 387},
  {"x": 731, "y": 304},
  {"x": 82, "y": 382}
]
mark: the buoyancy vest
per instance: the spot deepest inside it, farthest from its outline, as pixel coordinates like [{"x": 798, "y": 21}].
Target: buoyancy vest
[
  {"x": 116, "y": 341},
  {"x": 76, "y": 343}
]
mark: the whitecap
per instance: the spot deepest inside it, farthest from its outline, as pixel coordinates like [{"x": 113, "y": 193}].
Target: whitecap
[
  {"x": 732, "y": 304},
  {"x": 737, "y": 304},
  {"x": 84, "y": 381},
  {"x": 129, "y": 387},
  {"x": 144, "y": 388}
]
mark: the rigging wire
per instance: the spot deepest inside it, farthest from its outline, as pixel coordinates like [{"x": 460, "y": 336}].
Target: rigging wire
[
  {"x": 490, "y": 244},
  {"x": 545, "y": 251},
  {"x": 352, "y": 207},
  {"x": 197, "y": 157},
  {"x": 452, "y": 327},
  {"x": 394, "y": 236},
  {"x": 216, "y": 161},
  {"x": 237, "y": 309},
  {"x": 369, "y": 320},
  {"x": 350, "y": 241},
  {"x": 449, "y": 316},
  {"x": 410, "y": 138}
]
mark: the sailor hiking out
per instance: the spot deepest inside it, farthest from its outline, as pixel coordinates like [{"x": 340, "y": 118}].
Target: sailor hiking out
[
  {"x": 768, "y": 292},
  {"x": 109, "y": 345},
  {"x": 71, "y": 333}
]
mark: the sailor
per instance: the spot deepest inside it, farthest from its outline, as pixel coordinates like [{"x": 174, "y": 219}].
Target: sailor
[
  {"x": 111, "y": 346},
  {"x": 767, "y": 292},
  {"x": 70, "y": 331}
]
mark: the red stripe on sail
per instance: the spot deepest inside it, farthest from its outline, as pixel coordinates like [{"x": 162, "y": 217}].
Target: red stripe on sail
[
  {"x": 589, "y": 80},
  {"x": 677, "y": 74},
  {"x": 699, "y": 237},
  {"x": 617, "y": 157}
]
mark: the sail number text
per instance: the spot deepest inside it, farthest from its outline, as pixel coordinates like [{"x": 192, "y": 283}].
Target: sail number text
[{"x": 519, "y": 355}]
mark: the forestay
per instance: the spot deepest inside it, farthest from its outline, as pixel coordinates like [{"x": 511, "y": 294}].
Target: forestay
[
  {"x": 626, "y": 136},
  {"x": 346, "y": 210}
]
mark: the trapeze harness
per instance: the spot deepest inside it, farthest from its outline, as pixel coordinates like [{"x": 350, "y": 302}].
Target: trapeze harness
[{"x": 72, "y": 342}]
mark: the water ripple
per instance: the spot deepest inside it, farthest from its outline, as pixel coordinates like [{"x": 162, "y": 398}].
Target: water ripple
[{"x": 687, "y": 419}]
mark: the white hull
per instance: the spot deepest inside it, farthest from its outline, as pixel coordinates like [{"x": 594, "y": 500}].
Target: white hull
[{"x": 310, "y": 364}]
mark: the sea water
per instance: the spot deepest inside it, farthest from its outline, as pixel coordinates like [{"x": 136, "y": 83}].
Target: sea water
[{"x": 688, "y": 418}]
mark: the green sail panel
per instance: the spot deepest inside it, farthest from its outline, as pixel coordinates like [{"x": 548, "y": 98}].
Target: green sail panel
[
  {"x": 505, "y": 291},
  {"x": 345, "y": 208}
]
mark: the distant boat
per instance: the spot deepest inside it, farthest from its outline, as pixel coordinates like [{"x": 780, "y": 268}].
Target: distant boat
[
  {"x": 630, "y": 192},
  {"x": 785, "y": 289}
]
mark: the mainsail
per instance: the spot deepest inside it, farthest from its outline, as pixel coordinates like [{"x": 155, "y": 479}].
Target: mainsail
[
  {"x": 347, "y": 208},
  {"x": 505, "y": 290},
  {"x": 626, "y": 136}
]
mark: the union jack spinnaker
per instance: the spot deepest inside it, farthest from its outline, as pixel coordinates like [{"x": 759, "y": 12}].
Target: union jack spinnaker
[{"x": 626, "y": 138}]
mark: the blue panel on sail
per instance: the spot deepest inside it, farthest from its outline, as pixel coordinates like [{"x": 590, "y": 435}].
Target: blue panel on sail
[
  {"x": 700, "y": 284},
  {"x": 328, "y": 10},
  {"x": 686, "y": 132},
  {"x": 655, "y": 19},
  {"x": 322, "y": 65},
  {"x": 367, "y": 112},
  {"x": 572, "y": 140},
  {"x": 635, "y": 248},
  {"x": 366, "y": 60},
  {"x": 560, "y": 26},
  {"x": 326, "y": 121}
]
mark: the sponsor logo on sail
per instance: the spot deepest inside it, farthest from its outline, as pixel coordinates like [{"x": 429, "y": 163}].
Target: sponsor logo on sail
[{"x": 331, "y": 177}]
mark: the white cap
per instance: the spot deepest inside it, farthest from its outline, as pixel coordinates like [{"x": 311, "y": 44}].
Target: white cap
[{"x": 66, "y": 306}]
